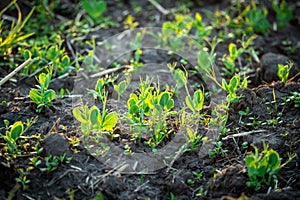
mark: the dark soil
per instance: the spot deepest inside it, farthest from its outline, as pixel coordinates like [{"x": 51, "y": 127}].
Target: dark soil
[{"x": 224, "y": 177}]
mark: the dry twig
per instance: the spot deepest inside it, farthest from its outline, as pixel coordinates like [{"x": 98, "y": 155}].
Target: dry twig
[
  {"x": 159, "y": 7},
  {"x": 11, "y": 74},
  {"x": 243, "y": 134}
]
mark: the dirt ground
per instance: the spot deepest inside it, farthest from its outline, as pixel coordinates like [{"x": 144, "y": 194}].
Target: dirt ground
[{"x": 224, "y": 177}]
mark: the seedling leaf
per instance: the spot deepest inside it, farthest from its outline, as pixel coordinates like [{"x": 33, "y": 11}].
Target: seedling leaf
[{"x": 16, "y": 130}]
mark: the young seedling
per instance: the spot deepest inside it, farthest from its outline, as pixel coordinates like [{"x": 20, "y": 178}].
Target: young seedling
[
  {"x": 136, "y": 62},
  {"x": 130, "y": 23},
  {"x": 121, "y": 87},
  {"x": 139, "y": 104},
  {"x": 22, "y": 179},
  {"x": 283, "y": 13},
  {"x": 100, "y": 88},
  {"x": 41, "y": 95},
  {"x": 284, "y": 71},
  {"x": 180, "y": 76},
  {"x": 235, "y": 54},
  {"x": 245, "y": 113},
  {"x": 255, "y": 122},
  {"x": 148, "y": 109},
  {"x": 93, "y": 120},
  {"x": 95, "y": 9},
  {"x": 252, "y": 19},
  {"x": 234, "y": 84},
  {"x": 52, "y": 162},
  {"x": 202, "y": 30},
  {"x": 12, "y": 134},
  {"x": 264, "y": 166},
  {"x": 193, "y": 138},
  {"x": 218, "y": 150},
  {"x": 295, "y": 98}
]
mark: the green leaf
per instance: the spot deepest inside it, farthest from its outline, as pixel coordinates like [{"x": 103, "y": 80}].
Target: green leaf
[
  {"x": 65, "y": 61},
  {"x": 133, "y": 109},
  {"x": 27, "y": 54},
  {"x": 16, "y": 130},
  {"x": 203, "y": 59},
  {"x": 110, "y": 121},
  {"x": 51, "y": 53},
  {"x": 169, "y": 105},
  {"x": 180, "y": 78},
  {"x": 6, "y": 122},
  {"x": 94, "y": 8},
  {"x": 42, "y": 78},
  {"x": 146, "y": 109},
  {"x": 191, "y": 134},
  {"x": 250, "y": 161},
  {"x": 225, "y": 85},
  {"x": 79, "y": 115},
  {"x": 164, "y": 98},
  {"x": 11, "y": 143},
  {"x": 198, "y": 100},
  {"x": 233, "y": 84},
  {"x": 122, "y": 86},
  {"x": 189, "y": 103},
  {"x": 244, "y": 84},
  {"x": 232, "y": 50},
  {"x": 274, "y": 160},
  {"x": 261, "y": 171},
  {"x": 47, "y": 81},
  {"x": 49, "y": 95},
  {"x": 234, "y": 99},
  {"x": 35, "y": 96},
  {"x": 94, "y": 114},
  {"x": 133, "y": 99}
]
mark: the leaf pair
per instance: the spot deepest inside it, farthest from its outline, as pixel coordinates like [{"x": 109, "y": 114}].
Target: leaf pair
[
  {"x": 41, "y": 95},
  {"x": 262, "y": 167},
  {"x": 234, "y": 84},
  {"x": 284, "y": 71},
  {"x": 13, "y": 134},
  {"x": 195, "y": 104},
  {"x": 93, "y": 120},
  {"x": 165, "y": 101}
]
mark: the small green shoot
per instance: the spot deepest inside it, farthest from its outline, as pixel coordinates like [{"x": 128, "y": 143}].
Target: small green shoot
[
  {"x": 232, "y": 86},
  {"x": 100, "y": 88},
  {"x": 252, "y": 19},
  {"x": 12, "y": 134},
  {"x": 284, "y": 71},
  {"x": 23, "y": 172},
  {"x": 218, "y": 150},
  {"x": 52, "y": 162},
  {"x": 41, "y": 95},
  {"x": 130, "y": 23},
  {"x": 193, "y": 138},
  {"x": 95, "y": 9},
  {"x": 283, "y": 13},
  {"x": 195, "y": 104},
  {"x": 121, "y": 87},
  {"x": 295, "y": 98},
  {"x": 148, "y": 109},
  {"x": 93, "y": 120},
  {"x": 264, "y": 166},
  {"x": 235, "y": 54}
]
